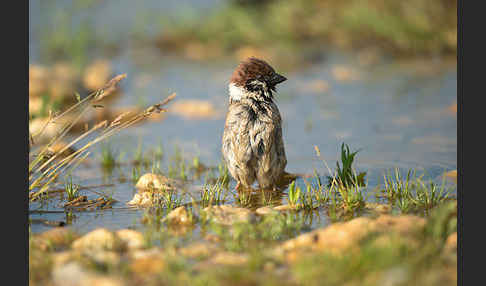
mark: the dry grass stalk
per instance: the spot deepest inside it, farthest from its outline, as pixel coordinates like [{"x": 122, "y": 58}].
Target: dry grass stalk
[{"x": 41, "y": 175}]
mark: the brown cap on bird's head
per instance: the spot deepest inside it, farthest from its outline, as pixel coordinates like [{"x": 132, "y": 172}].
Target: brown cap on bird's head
[{"x": 255, "y": 69}]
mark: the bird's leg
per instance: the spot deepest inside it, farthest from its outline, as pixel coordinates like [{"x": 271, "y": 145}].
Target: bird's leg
[{"x": 237, "y": 186}]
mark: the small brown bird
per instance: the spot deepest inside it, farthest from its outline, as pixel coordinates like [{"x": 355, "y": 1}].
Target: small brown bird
[{"x": 252, "y": 140}]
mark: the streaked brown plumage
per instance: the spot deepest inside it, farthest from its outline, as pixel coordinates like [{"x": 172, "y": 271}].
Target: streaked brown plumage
[{"x": 252, "y": 140}]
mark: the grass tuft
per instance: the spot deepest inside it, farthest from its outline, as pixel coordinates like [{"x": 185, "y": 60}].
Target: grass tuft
[
  {"x": 413, "y": 193},
  {"x": 71, "y": 189},
  {"x": 108, "y": 160},
  {"x": 345, "y": 175}
]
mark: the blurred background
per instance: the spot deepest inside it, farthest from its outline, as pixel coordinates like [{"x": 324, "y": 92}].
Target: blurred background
[{"x": 377, "y": 75}]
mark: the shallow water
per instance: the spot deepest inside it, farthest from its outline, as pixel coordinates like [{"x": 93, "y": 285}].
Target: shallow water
[{"x": 396, "y": 113}]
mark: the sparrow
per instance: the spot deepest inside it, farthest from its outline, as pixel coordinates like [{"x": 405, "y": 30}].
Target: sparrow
[{"x": 252, "y": 144}]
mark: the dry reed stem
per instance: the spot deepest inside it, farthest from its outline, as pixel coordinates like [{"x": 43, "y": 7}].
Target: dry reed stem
[
  {"x": 77, "y": 157},
  {"x": 318, "y": 152}
]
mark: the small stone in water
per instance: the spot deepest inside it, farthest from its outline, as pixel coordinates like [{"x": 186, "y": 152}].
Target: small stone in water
[
  {"x": 143, "y": 199},
  {"x": 153, "y": 181},
  {"x": 227, "y": 214},
  {"x": 179, "y": 216}
]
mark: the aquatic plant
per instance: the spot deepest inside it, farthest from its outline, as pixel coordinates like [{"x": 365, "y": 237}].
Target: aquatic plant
[
  {"x": 171, "y": 200},
  {"x": 294, "y": 194},
  {"x": 182, "y": 168},
  {"x": 159, "y": 151},
  {"x": 139, "y": 157},
  {"x": 195, "y": 163},
  {"x": 224, "y": 177},
  {"x": 351, "y": 197},
  {"x": 413, "y": 193},
  {"x": 345, "y": 176},
  {"x": 71, "y": 189},
  {"x": 307, "y": 199},
  {"x": 108, "y": 160},
  {"x": 136, "y": 173},
  {"x": 212, "y": 194}
]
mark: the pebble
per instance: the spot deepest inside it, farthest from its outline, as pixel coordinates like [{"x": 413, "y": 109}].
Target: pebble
[
  {"x": 131, "y": 238},
  {"x": 342, "y": 236},
  {"x": 228, "y": 215},
  {"x": 56, "y": 238},
  {"x": 179, "y": 216},
  {"x": 155, "y": 181},
  {"x": 97, "y": 240},
  {"x": 265, "y": 211}
]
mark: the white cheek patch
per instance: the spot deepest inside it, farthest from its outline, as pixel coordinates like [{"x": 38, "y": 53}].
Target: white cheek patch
[{"x": 235, "y": 92}]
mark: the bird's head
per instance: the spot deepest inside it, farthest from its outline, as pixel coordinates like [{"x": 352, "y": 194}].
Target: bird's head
[{"x": 254, "y": 78}]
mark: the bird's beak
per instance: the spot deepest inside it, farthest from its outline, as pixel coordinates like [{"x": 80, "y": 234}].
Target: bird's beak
[{"x": 277, "y": 78}]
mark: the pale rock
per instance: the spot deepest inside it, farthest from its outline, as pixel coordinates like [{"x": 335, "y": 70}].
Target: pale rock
[
  {"x": 285, "y": 208},
  {"x": 59, "y": 237},
  {"x": 407, "y": 225},
  {"x": 395, "y": 276},
  {"x": 38, "y": 80},
  {"x": 229, "y": 258},
  {"x": 150, "y": 261},
  {"x": 99, "y": 239},
  {"x": 153, "y": 181},
  {"x": 143, "y": 199},
  {"x": 131, "y": 238},
  {"x": 179, "y": 216},
  {"x": 35, "y": 105},
  {"x": 64, "y": 71},
  {"x": 451, "y": 243},
  {"x": 42, "y": 130},
  {"x": 104, "y": 281},
  {"x": 265, "y": 211},
  {"x": 198, "y": 250},
  {"x": 144, "y": 253},
  {"x": 72, "y": 274},
  {"x": 61, "y": 258},
  {"x": 228, "y": 215},
  {"x": 97, "y": 74},
  {"x": 345, "y": 236},
  {"x": 378, "y": 208},
  {"x": 103, "y": 257}
]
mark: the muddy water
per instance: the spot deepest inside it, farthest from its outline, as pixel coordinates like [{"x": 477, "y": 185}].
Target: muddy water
[{"x": 396, "y": 113}]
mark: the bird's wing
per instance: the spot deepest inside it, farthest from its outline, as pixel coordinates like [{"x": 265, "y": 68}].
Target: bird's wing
[
  {"x": 236, "y": 139},
  {"x": 266, "y": 141}
]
